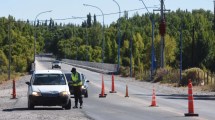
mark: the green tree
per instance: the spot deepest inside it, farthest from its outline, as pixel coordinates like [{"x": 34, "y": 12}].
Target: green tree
[
  {"x": 89, "y": 24},
  {"x": 3, "y": 62}
]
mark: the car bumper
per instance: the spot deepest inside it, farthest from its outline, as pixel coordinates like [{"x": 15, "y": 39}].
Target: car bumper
[
  {"x": 56, "y": 66},
  {"x": 49, "y": 101},
  {"x": 84, "y": 91}
]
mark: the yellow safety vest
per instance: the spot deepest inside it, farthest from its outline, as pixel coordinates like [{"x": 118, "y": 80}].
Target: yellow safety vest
[{"x": 75, "y": 80}]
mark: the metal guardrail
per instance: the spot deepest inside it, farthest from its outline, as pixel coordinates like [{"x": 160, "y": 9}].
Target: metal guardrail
[
  {"x": 93, "y": 66},
  {"x": 98, "y": 67}
]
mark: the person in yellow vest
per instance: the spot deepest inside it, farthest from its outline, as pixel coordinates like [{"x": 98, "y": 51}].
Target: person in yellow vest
[{"x": 77, "y": 84}]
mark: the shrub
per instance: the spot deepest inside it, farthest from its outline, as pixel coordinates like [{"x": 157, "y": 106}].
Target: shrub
[
  {"x": 167, "y": 75},
  {"x": 160, "y": 73},
  {"x": 146, "y": 76},
  {"x": 172, "y": 76},
  {"x": 3, "y": 77},
  {"x": 124, "y": 71},
  {"x": 138, "y": 75},
  {"x": 213, "y": 88},
  {"x": 195, "y": 74}
]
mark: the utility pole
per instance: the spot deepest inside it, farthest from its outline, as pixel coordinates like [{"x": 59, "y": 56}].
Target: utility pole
[
  {"x": 9, "y": 69},
  {"x": 214, "y": 14},
  {"x": 153, "y": 64},
  {"x": 181, "y": 53},
  {"x": 162, "y": 32},
  {"x": 131, "y": 53},
  {"x": 193, "y": 48}
]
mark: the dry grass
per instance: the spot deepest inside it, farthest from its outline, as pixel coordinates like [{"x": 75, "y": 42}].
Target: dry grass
[
  {"x": 212, "y": 87},
  {"x": 4, "y": 77}
]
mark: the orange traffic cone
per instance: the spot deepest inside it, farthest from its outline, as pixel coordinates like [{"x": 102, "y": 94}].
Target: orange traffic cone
[
  {"x": 154, "y": 104},
  {"x": 113, "y": 87},
  {"x": 190, "y": 101},
  {"x": 103, "y": 89},
  {"x": 14, "y": 90},
  {"x": 126, "y": 92}
]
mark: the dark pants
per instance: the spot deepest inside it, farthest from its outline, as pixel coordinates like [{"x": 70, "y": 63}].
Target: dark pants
[{"x": 78, "y": 95}]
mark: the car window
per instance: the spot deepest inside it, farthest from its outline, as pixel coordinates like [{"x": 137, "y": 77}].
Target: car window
[
  {"x": 49, "y": 79},
  {"x": 68, "y": 77}
]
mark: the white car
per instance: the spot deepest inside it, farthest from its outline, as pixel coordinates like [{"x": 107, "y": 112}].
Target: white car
[
  {"x": 48, "y": 88},
  {"x": 56, "y": 64}
]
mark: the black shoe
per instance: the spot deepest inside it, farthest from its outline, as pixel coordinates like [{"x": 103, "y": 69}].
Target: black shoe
[
  {"x": 75, "y": 107},
  {"x": 80, "y": 107}
]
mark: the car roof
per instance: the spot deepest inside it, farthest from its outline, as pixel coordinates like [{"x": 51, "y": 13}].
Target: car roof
[
  {"x": 71, "y": 72},
  {"x": 47, "y": 72}
]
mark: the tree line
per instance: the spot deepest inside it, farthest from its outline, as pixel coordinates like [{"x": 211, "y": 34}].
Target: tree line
[{"x": 84, "y": 42}]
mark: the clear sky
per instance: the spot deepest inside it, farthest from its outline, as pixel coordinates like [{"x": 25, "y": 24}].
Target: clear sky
[{"x": 28, "y": 9}]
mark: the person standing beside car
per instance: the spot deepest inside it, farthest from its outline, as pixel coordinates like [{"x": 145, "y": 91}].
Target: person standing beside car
[{"x": 77, "y": 84}]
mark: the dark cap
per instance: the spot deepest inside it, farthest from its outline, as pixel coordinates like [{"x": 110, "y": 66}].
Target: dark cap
[{"x": 73, "y": 70}]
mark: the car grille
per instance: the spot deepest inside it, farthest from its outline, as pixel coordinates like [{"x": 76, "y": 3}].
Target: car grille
[{"x": 50, "y": 94}]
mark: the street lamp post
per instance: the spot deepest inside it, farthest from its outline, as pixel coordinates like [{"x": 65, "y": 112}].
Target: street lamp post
[
  {"x": 119, "y": 41},
  {"x": 181, "y": 53},
  {"x": 102, "y": 29},
  {"x": 35, "y": 35},
  {"x": 153, "y": 64}
]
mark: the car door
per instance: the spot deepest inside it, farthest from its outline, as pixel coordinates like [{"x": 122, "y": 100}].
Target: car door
[{"x": 30, "y": 85}]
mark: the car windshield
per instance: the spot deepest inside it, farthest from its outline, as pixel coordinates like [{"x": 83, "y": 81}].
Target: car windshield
[
  {"x": 68, "y": 77},
  {"x": 49, "y": 79}
]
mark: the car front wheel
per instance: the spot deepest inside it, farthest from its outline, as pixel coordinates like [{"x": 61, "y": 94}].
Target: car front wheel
[
  {"x": 68, "y": 106},
  {"x": 86, "y": 94},
  {"x": 30, "y": 105}
]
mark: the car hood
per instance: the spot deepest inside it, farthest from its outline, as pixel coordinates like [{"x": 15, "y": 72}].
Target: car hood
[{"x": 48, "y": 88}]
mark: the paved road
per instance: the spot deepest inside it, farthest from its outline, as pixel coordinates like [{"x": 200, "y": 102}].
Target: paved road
[{"x": 172, "y": 102}]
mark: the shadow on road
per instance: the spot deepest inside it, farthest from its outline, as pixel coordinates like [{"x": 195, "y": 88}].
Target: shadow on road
[
  {"x": 26, "y": 109},
  {"x": 181, "y": 96}
]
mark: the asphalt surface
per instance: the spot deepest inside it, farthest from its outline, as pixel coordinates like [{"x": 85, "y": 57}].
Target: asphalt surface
[{"x": 172, "y": 102}]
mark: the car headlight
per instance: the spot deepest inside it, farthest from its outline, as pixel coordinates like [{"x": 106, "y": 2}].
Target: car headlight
[
  {"x": 64, "y": 93},
  {"x": 83, "y": 87},
  {"x": 36, "y": 94}
]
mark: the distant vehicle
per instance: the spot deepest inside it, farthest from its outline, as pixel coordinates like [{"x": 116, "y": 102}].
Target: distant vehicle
[
  {"x": 48, "y": 88},
  {"x": 56, "y": 64},
  {"x": 84, "y": 83}
]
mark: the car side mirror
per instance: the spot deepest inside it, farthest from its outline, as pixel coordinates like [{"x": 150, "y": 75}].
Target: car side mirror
[{"x": 28, "y": 83}]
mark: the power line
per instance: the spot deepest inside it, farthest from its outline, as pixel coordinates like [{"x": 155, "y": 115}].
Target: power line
[{"x": 105, "y": 14}]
